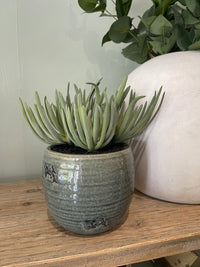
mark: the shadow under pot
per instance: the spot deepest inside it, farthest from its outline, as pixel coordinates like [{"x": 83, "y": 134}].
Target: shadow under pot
[{"x": 88, "y": 193}]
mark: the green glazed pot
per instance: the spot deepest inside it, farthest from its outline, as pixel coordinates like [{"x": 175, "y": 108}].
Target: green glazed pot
[{"x": 90, "y": 193}]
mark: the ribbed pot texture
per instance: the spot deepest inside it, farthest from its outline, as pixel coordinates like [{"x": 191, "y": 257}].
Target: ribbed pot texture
[{"x": 88, "y": 194}]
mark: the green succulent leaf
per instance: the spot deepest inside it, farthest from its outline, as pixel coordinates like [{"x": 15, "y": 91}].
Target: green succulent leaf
[
  {"x": 136, "y": 127},
  {"x": 79, "y": 127},
  {"x": 112, "y": 125},
  {"x": 52, "y": 117},
  {"x": 96, "y": 123},
  {"x": 30, "y": 125},
  {"x": 65, "y": 126},
  {"x": 38, "y": 128},
  {"x": 90, "y": 121},
  {"x": 86, "y": 128},
  {"x": 127, "y": 117},
  {"x": 133, "y": 120},
  {"x": 45, "y": 120},
  {"x": 119, "y": 94},
  {"x": 40, "y": 120},
  {"x": 145, "y": 120},
  {"x": 106, "y": 117},
  {"x": 72, "y": 128}
]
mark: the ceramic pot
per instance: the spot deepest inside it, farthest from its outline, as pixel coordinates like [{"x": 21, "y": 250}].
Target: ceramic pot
[
  {"x": 167, "y": 156},
  {"x": 88, "y": 194}
]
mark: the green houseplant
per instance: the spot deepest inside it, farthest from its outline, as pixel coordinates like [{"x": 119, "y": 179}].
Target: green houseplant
[
  {"x": 167, "y": 26},
  {"x": 88, "y": 169}
]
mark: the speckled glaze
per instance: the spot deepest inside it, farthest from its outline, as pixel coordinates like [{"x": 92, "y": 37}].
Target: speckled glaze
[{"x": 88, "y": 194}]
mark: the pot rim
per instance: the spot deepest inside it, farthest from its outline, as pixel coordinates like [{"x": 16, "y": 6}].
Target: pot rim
[{"x": 86, "y": 156}]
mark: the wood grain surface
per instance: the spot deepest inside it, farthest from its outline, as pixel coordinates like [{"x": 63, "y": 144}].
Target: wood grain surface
[{"x": 29, "y": 236}]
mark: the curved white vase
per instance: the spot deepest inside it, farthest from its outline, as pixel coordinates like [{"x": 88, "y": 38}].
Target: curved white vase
[{"x": 168, "y": 155}]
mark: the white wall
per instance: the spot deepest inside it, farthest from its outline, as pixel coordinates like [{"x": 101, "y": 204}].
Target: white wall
[{"x": 43, "y": 45}]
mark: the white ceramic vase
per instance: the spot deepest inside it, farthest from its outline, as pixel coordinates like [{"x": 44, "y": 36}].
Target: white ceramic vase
[{"x": 168, "y": 154}]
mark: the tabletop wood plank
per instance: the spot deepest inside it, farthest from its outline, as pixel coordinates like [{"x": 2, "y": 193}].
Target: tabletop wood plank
[{"x": 29, "y": 236}]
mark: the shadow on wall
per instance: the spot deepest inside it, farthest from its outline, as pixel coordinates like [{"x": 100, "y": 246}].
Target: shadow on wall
[{"x": 106, "y": 58}]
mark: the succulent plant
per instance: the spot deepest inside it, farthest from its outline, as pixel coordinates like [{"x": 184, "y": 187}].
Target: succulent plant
[
  {"x": 91, "y": 121},
  {"x": 167, "y": 26}
]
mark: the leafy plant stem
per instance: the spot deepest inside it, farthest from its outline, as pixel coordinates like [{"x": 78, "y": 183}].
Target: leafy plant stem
[
  {"x": 109, "y": 13},
  {"x": 114, "y": 17},
  {"x": 133, "y": 35},
  {"x": 163, "y": 34}
]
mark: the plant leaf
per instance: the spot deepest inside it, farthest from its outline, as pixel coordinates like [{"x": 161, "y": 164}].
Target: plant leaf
[
  {"x": 88, "y": 5},
  {"x": 101, "y": 6},
  {"x": 119, "y": 29},
  {"x": 183, "y": 38},
  {"x": 86, "y": 128},
  {"x": 162, "y": 6},
  {"x": 119, "y": 94},
  {"x": 45, "y": 120},
  {"x": 148, "y": 13},
  {"x": 195, "y": 46},
  {"x": 197, "y": 26},
  {"x": 137, "y": 51},
  {"x": 159, "y": 25},
  {"x": 119, "y": 8},
  {"x": 127, "y": 6},
  {"x": 177, "y": 12},
  {"x": 122, "y": 7},
  {"x": 196, "y": 35},
  {"x": 30, "y": 125},
  {"x": 163, "y": 45},
  {"x": 182, "y": 2},
  {"x": 106, "y": 117},
  {"x": 194, "y": 7},
  {"x": 189, "y": 19},
  {"x": 106, "y": 38},
  {"x": 148, "y": 21}
]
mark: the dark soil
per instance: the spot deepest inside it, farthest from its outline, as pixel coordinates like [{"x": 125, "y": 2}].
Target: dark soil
[{"x": 68, "y": 149}]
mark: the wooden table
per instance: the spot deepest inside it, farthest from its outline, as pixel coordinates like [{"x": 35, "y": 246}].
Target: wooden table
[{"x": 29, "y": 236}]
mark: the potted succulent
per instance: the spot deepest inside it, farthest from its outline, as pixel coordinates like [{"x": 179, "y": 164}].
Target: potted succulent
[
  {"x": 88, "y": 171},
  {"x": 168, "y": 34}
]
